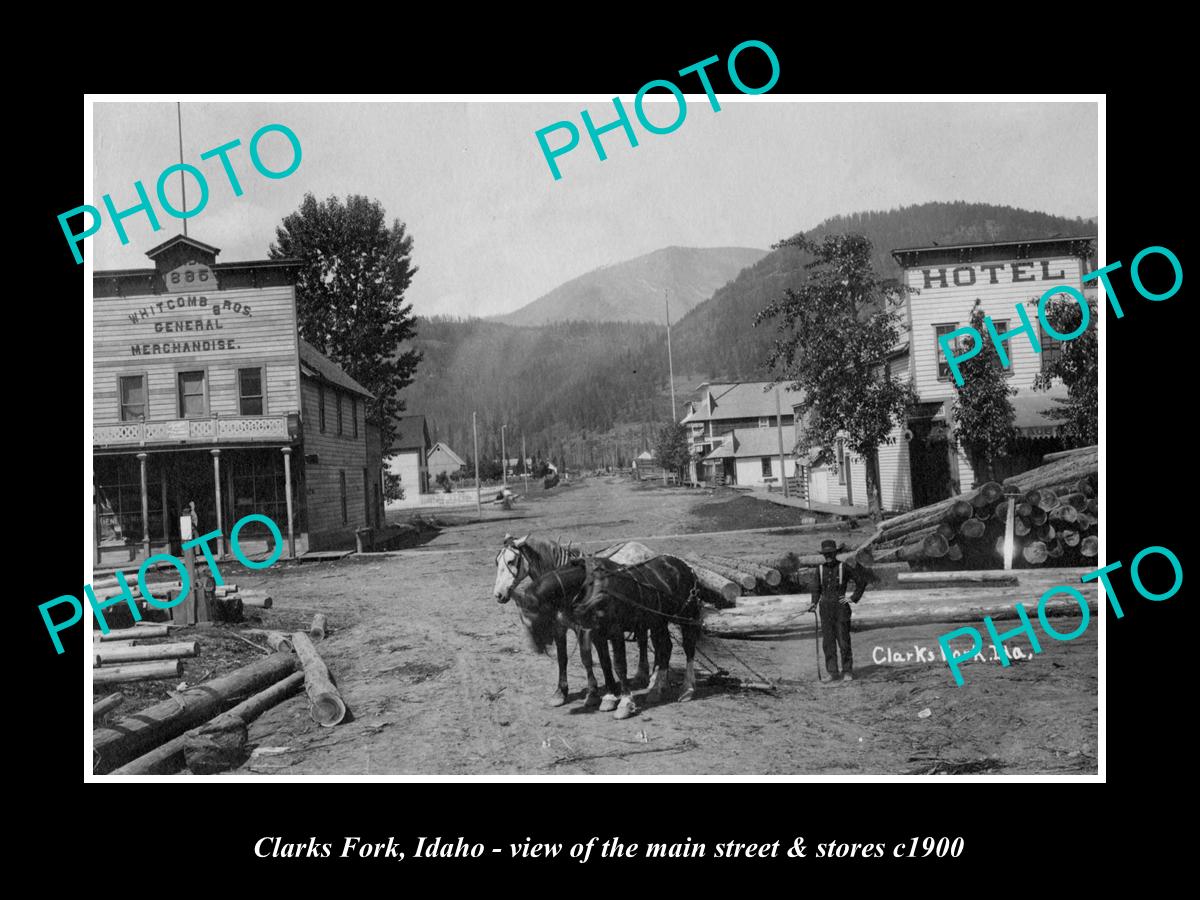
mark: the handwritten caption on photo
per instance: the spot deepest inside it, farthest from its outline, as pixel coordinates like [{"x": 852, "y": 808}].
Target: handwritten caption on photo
[
  {"x": 271, "y": 847},
  {"x": 125, "y": 595},
  {"x": 954, "y": 659}
]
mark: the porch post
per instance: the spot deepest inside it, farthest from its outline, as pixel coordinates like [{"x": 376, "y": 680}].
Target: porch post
[
  {"x": 216, "y": 455},
  {"x": 166, "y": 516},
  {"x": 145, "y": 508},
  {"x": 287, "y": 483}
]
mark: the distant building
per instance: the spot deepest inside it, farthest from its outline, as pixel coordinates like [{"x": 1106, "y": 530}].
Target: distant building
[
  {"x": 726, "y": 406},
  {"x": 410, "y": 459},
  {"x": 750, "y": 457},
  {"x": 442, "y": 459}
]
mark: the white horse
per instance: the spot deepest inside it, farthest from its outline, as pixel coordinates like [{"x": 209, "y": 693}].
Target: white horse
[{"x": 530, "y": 557}]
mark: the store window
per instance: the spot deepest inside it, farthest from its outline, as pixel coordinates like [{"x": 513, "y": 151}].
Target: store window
[
  {"x": 766, "y": 467},
  {"x": 250, "y": 392},
  {"x": 354, "y": 414},
  {"x": 342, "y": 490},
  {"x": 321, "y": 406},
  {"x": 192, "y": 400},
  {"x": 337, "y": 399},
  {"x": 133, "y": 397},
  {"x": 259, "y": 487}
]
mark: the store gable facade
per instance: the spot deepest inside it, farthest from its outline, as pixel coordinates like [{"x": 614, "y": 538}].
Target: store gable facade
[{"x": 204, "y": 394}]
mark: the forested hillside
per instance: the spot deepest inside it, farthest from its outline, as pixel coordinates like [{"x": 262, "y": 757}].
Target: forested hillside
[{"x": 590, "y": 391}]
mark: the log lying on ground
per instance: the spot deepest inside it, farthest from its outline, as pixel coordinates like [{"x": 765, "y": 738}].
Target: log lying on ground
[
  {"x": 220, "y": 744},
  {"x": 317, "y": 630},
  {"x": 1059, "y": 473},
  {"x": 743, "y": 580},
  {"x": 255, "y": 598},
  {"x": 104, "y": 655},
  {"x": 324, "y": 699},
  {"x": 768, "y": 576},
  {"x": 1063, "y": 454},
  {"x": 863, "y": 557},
  {"x": 889, "y": 609},
  {"x": 131, "y": 737},
  {"x": 279, "y": 642},
  {"x": 169, "y": 757},
  {"x": 1089, "y": 546},
  {"x": 976, "y": 577},
  {"x": 150, "y": 671},
  {"x": 109, "y": 703},
  {"x": 785, "y": 565},
  {"x": 716, "y": 583},
  {"x": 128, "y": 634}
]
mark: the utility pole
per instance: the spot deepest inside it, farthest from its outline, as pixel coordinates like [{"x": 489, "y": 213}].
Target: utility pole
[
  {"x": 478, "y": 499},
  {"x": 503, "y": 461},
  {"x": 782, "y": 459},
  {"x": 670, "y": 360},
  {"x": 524, "y": 464}
]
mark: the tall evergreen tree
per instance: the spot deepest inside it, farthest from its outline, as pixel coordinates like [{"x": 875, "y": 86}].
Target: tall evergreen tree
[
  {"x": 354, "y": 270},
  {"x": 836, "y": 330},
  {"x": 671, "y": 448},
  {"x": 983, "y": 414}
]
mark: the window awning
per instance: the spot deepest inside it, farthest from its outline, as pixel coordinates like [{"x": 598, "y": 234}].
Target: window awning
[{"x": 1029, "y": 407}]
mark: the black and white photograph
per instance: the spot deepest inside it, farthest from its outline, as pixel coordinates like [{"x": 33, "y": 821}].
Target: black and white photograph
[{"x": 697, "y": 432}]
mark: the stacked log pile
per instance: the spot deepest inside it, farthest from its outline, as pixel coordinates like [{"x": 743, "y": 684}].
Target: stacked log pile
[
  {"x": 164, "y": 591},
  {"x": 1055, "y": 510},
  {"x": 732, "y": 577}
]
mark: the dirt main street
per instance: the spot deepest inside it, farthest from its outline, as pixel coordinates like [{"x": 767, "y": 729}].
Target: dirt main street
[{"x": 440, "y": 680}]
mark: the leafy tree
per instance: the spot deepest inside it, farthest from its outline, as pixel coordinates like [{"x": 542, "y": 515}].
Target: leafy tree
[
  {"x": 391, "y": 487},
  {"x": 1078, "y": 367},
  {"x": 354, "y": 270},
  {"x": 671, "y": 448},
  {"x": 835, "y": 332},
  {"x": 983, "y": 414}
]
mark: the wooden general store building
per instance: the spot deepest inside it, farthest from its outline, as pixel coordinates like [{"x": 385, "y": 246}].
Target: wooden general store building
[{"x": 204, "y": 393}]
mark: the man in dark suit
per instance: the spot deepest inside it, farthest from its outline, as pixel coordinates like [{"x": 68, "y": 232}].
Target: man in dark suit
[{"x": 829, "y": 596}]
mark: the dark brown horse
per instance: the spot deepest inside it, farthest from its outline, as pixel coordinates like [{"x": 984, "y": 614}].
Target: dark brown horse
[
  {"x": 608, "y": 600},
  {"x": 530, "y": 557}
]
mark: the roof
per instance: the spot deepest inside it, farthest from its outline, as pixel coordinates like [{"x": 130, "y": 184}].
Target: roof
[
  {"x": 411, "y": 434},
  {"x": 315, "y": 364},
  {"x": 741, "y": 400},
  {"x": 1029, "y": 406},
  {"x": 645, "y": 454},
  {"x": 995, "y": 250},
  {"x": 181, "y": 239},
  {"x": 454, "y": 457},
  {"x": 743, "y": 442}
]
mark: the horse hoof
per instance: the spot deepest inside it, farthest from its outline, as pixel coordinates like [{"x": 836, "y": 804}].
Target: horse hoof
[
  {"x": 591, "y": 698},
  {"x": 609, "y": 703},
  {"x": 626, "y": 709},
  {"x": 689, "y": 694},
  {"x": 558, "y": 700}
]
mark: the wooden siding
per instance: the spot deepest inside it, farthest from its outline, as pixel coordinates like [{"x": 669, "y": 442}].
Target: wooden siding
[
  {"x": 407, "y": 464},
  {"x": 335, "y": 454},
  {"x": 952, "y": 304},
  {"x": 261, "y": 335},
  {"x": 749, "y": 470}
]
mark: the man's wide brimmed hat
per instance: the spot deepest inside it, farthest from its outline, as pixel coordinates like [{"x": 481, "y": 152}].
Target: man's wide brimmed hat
[{"x": 829, "y": 547}]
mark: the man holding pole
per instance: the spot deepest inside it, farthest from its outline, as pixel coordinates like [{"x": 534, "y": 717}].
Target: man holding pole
[{"x": 829, "y": 596}]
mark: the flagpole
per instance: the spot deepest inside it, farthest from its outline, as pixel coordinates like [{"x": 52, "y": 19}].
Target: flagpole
[{"x": 182, "y": 183}]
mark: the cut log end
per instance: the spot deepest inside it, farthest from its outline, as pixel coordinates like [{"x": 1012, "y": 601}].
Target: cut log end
[{"x": 328, "y": 710}]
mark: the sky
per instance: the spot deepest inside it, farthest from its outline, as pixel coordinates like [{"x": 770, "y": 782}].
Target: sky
[{"x": 493, "y": 230}]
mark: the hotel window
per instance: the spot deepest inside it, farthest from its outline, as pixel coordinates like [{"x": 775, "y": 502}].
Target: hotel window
[
  {"x": 841, "y": 462},
  {"x": 354, "y": 414},
  {"x": 191, "y": 395},
  {"x": 1052, "y": 348},
  {"x": 337, "y": 399},
  {"x": 321, "y": 406},
  {"x": 250, "y": 392},
  {"x": 1001, "y": 329},
  {"x": 766, "y": 467},
  {"x": 133, "y": 397},
  {"x": 764, "y": 421},
  {"x": 943, "y": 367}
]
